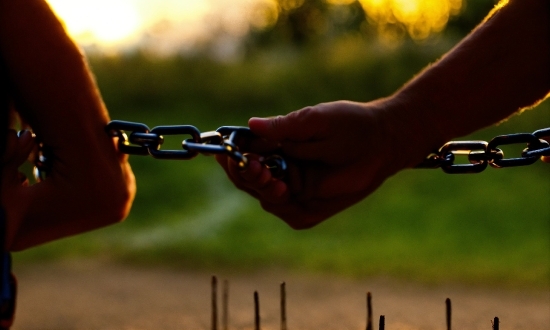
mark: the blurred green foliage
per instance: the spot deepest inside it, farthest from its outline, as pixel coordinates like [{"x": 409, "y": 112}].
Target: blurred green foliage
[
  {"x": 270, "y": 83},
  {"x": 491, "y": 228}
]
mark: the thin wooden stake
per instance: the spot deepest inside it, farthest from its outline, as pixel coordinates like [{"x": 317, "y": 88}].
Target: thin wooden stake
[
  {"x": 283, "y": 306},
  {"x": 369, "y": 311},
  {"x": 448, "y": 312},
  {"x": 225, "y": 303},
  {"x": 256, "y": 311},
  {"x": 214, "y": 303},
  {"x": 382, "y": 323},
  {"x": 496, "y": 323}
]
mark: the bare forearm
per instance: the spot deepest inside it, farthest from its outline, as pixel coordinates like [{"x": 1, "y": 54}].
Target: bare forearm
[{"x": 503, "y": 66}]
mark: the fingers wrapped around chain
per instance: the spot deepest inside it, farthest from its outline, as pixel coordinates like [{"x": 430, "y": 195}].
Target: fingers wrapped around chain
[{"x": 256, "y": 179}]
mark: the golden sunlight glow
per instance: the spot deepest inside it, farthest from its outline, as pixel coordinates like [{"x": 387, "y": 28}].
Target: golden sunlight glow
[
  {"x": 265, "y": 14},
  {"x": 420, "y": 18},
  {"x": 103, "y": 21},
  {"x": 167, "y": 25},
  {"x": 163, "y": 25}
]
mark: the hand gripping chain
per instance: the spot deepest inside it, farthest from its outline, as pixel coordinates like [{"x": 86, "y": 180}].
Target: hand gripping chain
[{"x": 144, "y": 141}]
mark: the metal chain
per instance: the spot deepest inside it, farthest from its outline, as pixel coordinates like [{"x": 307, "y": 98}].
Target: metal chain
[
  {"x": 144, "y": 141},
  {"x": 481, "y": 153},
  {"x": 140, "y": 140}
]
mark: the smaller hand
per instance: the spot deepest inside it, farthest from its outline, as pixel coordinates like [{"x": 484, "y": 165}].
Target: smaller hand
[{"x": 57, "y": 207}]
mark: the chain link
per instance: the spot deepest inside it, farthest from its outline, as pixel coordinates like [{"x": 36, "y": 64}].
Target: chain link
[
  {"x": 481, "y": 154},
  {"x": 144, "y": 141},
  {"x": 138, "y": 139}
]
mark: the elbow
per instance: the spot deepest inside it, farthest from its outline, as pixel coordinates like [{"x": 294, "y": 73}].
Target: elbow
[
  {"x": 118, "y": 206},
  {"x": 117, "y": 200},
  {"x": 110, "y": 197}
]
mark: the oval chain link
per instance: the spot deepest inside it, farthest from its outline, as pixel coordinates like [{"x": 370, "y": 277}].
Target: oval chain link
[
  {"x": 481, "y": 153},
  {"x": 145, "y": 141}
]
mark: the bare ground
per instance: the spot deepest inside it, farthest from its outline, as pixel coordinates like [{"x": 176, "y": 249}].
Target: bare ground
[{"x": 93, "y": 294}]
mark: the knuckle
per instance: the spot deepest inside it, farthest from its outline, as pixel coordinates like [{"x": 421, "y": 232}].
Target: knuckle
[
  {"x": 315, "y": 115},
  {"x": 304, "y": 114},
  {"x": 277, "y": 122}
]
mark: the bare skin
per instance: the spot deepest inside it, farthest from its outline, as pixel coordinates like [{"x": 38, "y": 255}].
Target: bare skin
[
  {"x": 52, "y": 90},
  {"x": 501, "y": 68}
]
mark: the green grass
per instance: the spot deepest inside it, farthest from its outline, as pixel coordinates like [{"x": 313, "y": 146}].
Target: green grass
[{"x": 491, "y": 228}]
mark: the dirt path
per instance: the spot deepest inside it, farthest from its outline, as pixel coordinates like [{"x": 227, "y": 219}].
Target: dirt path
[{"x": 102, "y": 295}]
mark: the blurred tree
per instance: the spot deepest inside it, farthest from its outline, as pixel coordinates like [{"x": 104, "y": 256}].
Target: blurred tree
[
  {"x": 304, "y": 22},
  {"x": 473, "y": 12}
]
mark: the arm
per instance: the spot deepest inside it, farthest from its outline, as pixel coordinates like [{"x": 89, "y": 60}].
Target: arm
[
  {"x": 503, "y": 66},
  {"x": 91, "y": 185}
]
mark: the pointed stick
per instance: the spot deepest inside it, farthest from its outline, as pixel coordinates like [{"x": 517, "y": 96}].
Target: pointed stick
[
  {"x": 214, "y": 303},
  {"x": 256, "y": 311},
  {"x": 496, "y": 323},
  {"x": 448, "y": 312},
  {"x": 283, "y": 306},
  {"x": 369, "y": 311},
  {"x": 225, "y": 303},
  {"x": 382, "y": 323}
]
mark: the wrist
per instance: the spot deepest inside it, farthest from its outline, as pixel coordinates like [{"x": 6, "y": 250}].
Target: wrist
[{"x": 413, "y": 134}]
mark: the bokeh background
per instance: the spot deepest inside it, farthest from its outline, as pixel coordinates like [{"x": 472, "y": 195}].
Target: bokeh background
[{"x": 210, "y": 63}]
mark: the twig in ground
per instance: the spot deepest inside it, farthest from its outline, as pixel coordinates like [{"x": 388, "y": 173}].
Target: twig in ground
[
  {"x": 495, "y": 323},
  {"x": 256, "y": 311},
  {"x": 283, "y": 306},
  {"x": 225, "y": 303},
  {"x": 369, "y": 311},
  {"x": 214, "y": 303},
  {"x": 382, "y": 322},
  {"x": 448, "y": 312}
]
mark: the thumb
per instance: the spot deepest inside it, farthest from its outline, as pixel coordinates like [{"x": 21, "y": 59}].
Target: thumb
[{"x": 298, "y": 126}]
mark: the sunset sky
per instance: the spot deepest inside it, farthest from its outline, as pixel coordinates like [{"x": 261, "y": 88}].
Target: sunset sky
[
  {"x": 175, "y": 24},
  {"x": 116, "y": 24}
]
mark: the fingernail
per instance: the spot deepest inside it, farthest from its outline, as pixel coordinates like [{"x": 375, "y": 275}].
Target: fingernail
[{"x": 258, "y": 119}]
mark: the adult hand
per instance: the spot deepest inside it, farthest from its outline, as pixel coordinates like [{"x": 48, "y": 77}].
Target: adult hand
[
  {"x": 340, "y": 152},
  {"x": 337, "y": 154}
]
